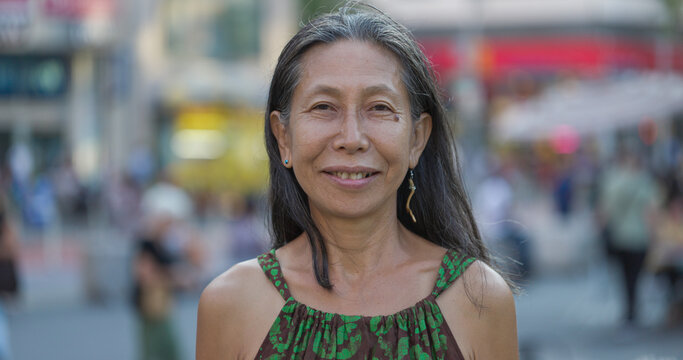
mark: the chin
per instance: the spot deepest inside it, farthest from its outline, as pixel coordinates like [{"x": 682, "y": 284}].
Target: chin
[{"x": 347, "y": 211}]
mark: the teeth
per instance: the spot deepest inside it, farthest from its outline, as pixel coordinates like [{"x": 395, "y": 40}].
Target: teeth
[{"x": 352, "y": 176}]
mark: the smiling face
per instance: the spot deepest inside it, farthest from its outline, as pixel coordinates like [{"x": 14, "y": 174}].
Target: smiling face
[{"x": 350, "y": 138}]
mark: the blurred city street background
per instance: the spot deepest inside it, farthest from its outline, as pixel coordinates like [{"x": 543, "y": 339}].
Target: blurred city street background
[{"x": 132, "y": 163}]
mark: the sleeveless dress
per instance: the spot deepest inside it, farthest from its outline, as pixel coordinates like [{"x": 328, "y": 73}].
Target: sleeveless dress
[{"x": 418, "y": 332}]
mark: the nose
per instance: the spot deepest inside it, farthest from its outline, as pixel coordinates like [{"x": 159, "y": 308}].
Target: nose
[{"x": 352, "y": 136}]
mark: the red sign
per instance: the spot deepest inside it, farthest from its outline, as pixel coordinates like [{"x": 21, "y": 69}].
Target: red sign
[
  {"x": 79, "y": 9},
  {"x": 499, "y": 56},
  {"x": 442, "y": 54}
]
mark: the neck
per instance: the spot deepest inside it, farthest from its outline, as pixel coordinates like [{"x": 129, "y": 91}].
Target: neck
[{"x": 357, "y": 247}]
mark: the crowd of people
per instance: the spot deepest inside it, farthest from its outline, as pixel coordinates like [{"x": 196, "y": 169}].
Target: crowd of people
[
  {"x": 159, "y": 220},
  {"x": 633, "y": 193}
]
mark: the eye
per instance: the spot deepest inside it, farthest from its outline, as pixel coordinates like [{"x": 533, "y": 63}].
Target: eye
[
  {"x": 380, "y": 107},
  {"x": 322, "y": 106}
]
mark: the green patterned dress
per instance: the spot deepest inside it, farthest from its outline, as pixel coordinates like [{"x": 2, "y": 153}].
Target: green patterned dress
[{"x": 418, "y": 332}]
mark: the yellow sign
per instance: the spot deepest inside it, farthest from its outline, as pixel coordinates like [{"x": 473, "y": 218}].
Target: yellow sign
[{"x": 219, "y": 148}]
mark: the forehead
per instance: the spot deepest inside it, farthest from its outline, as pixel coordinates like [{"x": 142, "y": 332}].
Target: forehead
[{"x": 347, "y": 64}]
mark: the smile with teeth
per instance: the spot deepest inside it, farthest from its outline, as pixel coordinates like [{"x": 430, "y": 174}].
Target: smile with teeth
[{"x": 353, "y": 176}]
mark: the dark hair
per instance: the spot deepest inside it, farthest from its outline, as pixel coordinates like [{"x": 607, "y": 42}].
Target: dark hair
[{"x": 440, "y": 205}]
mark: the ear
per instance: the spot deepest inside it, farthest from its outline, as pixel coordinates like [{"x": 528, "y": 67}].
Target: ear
[
  {"x": 279, "y": 129},
  {"x": 422, "y": 128}
]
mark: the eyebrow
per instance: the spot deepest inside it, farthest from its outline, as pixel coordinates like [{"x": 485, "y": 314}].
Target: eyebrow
[
  {"x": 376, "y": 89},
  {"x": 326, "y": 90},
  {"x": 371, "y": 90}
]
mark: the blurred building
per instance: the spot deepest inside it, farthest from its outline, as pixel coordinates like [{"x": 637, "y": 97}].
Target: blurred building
[
  {"x": 105, "y": 83},
  {"x": 587, "y": 37},
  {"x": 217, "y": 58},
  {"x": 54, "y": 59},
  {"x": 591, "y": 37}
]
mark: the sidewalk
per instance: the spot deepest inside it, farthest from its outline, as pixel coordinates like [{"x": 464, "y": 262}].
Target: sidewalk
[
  {"x": 75, "y": 293},
  {"x": 578, "y": 316},
  {"x": 72, "y": 266},
  {"x": 572, "y": 308},
  {"x": 90, "y": 332}
]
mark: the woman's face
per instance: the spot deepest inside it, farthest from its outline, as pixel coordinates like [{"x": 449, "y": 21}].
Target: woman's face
[{"x": 350, "y": 138}]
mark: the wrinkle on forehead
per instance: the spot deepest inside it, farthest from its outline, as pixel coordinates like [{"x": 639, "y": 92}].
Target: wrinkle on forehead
[{"x": 321, "y": 78}]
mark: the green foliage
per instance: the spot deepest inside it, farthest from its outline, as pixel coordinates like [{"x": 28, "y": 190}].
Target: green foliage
[
  {"x": 236, "y": 31},
  {"x": 309, "y": 9},
  {"x": 673, "y": 9}
]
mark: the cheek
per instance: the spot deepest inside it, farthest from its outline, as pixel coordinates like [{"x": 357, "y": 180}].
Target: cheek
[
  {"x": 393, "y": 141},
  {"x": 307, "y": 142}
]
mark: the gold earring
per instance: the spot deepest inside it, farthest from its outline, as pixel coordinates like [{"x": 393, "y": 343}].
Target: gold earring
[{"x": 411, "y": 186}]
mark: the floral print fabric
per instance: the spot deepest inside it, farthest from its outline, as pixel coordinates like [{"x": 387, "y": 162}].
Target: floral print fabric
[{"x": 418, "y": 332}]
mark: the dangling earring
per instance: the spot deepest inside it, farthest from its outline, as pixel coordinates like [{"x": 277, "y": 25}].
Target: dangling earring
[{"x": 411, "y": 186}]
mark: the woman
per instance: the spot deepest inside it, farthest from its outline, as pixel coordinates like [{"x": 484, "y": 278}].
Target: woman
[{"x": 363, "y": 265}]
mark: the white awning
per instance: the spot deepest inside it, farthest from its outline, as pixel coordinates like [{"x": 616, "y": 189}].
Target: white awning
[
  {"x": 593, "y": 106},
  {"x": 452, "y": 14}
]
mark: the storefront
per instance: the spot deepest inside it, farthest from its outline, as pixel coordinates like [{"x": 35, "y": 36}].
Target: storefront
[{"x": 213, "y": 147}]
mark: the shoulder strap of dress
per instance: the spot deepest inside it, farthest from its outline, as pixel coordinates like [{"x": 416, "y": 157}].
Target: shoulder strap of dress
[
  {"x": 271, "y": 267},
  {"x": 454, "y": 264}
]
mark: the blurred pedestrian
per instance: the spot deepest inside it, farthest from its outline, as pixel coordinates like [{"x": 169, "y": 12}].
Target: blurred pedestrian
[
  {"x": 122, "y": 196},
  {"x": 153, "y": 293},
  {"x": 563, "y": 188},
  {"x": 628, "y": 202},
  {"x": 67, "y": 190},
  {"x": 247, "y": 231},
  {"x": 665, "y": 257},
  {"x": 9, "y": 280},
  {"x": 168, "y": 258},
  {"x": 493, "y": 204},
  {"x": 167, "y": 203}
]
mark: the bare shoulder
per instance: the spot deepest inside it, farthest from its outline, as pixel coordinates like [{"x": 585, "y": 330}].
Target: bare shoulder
[
  {"x": 488, "y": 287},
  {"x": 236, "y": 310},
  {"x": 232, "y": 288},
  {"x": 480, "y": 310}
]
